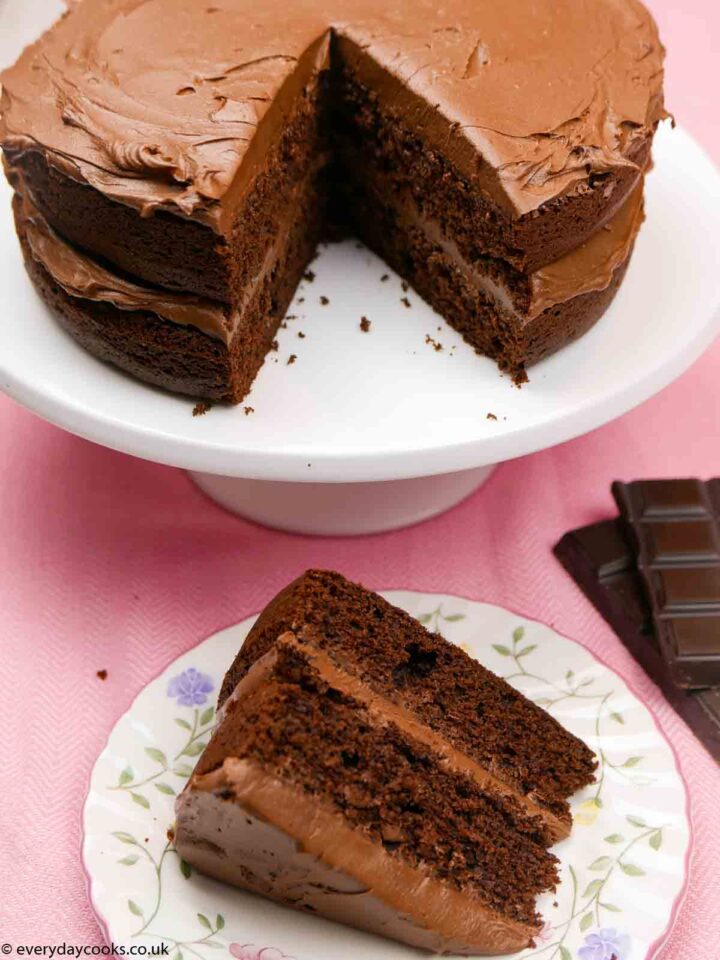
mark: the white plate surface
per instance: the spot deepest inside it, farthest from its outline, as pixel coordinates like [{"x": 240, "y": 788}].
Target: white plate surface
[
  {"x": 386, "y": 405},
  {"x": 623, "y": 869}
]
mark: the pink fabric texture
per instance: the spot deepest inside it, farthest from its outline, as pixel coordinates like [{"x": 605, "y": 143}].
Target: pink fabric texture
[{"x": 108, "y": 562}]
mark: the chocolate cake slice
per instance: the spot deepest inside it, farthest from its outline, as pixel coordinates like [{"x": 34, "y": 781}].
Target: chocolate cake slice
[
  {"x": 434, "y": 690},
  {"x": 476, "y": 146},
  {"x": 328, "y": 803}
]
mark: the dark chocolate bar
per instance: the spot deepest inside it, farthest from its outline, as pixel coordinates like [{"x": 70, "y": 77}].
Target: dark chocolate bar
[
  {"x": 601, "y": 560},
  {"x": 674, "y": 526}
]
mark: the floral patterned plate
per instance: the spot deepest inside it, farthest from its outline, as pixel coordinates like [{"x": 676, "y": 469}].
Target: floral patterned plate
[{"x": 623, "y": 868}]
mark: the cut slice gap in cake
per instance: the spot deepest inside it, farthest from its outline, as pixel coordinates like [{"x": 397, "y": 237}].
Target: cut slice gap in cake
[{"x": 218, "y": 187}]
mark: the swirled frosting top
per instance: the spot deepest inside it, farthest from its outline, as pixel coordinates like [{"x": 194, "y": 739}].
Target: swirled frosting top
[{"x": 170, "y": 103}]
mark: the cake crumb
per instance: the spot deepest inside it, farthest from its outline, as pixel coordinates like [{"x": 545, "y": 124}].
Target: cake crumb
[
  {"x": 301, "y": 299},
  {"x": 101, "y": 674},
  {"x": 436, "y": 345},
  {"x": 248, "y": 410},
  {"x": 309, "y": 275},
  {"x": 201, "y": 408},
  {"x": 324, "y": 301},
  {"x": 384, "y": 277},
  {"x": 292, "y": 358},
  {"x": 274, "y": 345},
  {"x": 364, "y": 324},
  {"x": 301, "y": 334},
  {"x": 405, "y": 286},
  {"x": 491, "y": 416},
  {"x": 291, "y": 316},
  {"x": 405, "y": 301}
]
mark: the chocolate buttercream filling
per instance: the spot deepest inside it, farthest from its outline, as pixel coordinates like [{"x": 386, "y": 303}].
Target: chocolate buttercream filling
[
  {"x": 85, "y": 278},
  {"x": 382, "y": 892},
  {"x": 589, "y": 267},
  {"x": 384, "y": 711}
]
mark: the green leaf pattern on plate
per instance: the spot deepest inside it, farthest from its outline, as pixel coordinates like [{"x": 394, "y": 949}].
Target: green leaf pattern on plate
[{"x": 198, "y": 727}]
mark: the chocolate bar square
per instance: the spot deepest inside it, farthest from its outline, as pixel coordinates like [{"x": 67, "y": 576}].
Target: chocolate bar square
[
  {"x": 601, "y": 560},
  {"x": 674, "y": 527}
]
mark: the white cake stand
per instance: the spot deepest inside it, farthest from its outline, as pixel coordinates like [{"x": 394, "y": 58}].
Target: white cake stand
[{"x": 371, "y": 431}]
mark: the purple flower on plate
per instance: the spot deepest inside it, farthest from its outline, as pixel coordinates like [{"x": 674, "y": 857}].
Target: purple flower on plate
[
  {"x": 190, "y": 688},
  {"x": 606, "y": 944},
  {"x": 249, "y": 951}
]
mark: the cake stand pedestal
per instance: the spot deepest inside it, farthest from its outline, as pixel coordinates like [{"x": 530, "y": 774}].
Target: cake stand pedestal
[
  {"x": 341, "y": 509},
  {"x": 371, "y": 431}
]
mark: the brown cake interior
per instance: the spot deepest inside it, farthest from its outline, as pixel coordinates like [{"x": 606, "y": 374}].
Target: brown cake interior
[
  {"x": 478, "y": 712},
  {"x": 385, "y": 784}
]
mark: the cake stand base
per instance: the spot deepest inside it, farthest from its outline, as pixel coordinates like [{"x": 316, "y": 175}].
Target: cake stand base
[{"x": 341, "y": 509}]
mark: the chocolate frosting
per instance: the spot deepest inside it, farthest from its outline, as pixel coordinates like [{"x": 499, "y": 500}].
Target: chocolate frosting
[
  {"x": 248, "y": 827},
  {"x": 172, "y": 103}
]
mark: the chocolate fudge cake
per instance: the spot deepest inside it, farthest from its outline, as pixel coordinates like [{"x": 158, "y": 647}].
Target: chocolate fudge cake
[
  {"x": 173, "y": 184},
  {"x": 369, "y": 771}
]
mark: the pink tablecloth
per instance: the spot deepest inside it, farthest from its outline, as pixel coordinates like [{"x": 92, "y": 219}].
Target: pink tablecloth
[{"x": 110, "y": 562}]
